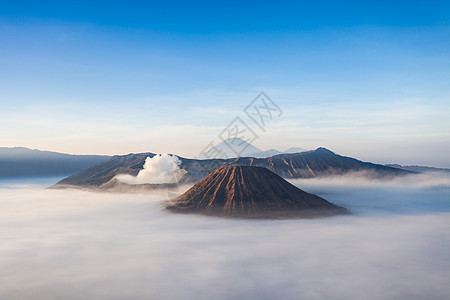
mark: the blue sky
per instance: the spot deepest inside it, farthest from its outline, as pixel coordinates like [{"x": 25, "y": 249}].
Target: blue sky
[{"x": 366, "y": 80}]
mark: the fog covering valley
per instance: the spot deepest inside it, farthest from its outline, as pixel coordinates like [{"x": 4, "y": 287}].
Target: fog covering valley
[{"x": 74, "y": 244}]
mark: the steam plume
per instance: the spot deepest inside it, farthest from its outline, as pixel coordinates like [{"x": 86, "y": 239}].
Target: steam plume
[{"x": 162, "y": 168}]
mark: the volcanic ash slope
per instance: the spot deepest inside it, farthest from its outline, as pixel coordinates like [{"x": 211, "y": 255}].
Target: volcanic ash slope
[{"x": 251, "y": 192}]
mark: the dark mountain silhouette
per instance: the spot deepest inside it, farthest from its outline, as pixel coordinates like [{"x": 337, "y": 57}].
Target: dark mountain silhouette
[
  {"x": 319, "y": 162},
  {"x": 105, "y": 171},
  {"x": 251, "y": 192},
  {"x": 20, "y": 161}
]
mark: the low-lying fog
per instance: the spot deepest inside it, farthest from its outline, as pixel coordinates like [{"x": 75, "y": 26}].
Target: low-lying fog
[{"x": 71, "y": 244}]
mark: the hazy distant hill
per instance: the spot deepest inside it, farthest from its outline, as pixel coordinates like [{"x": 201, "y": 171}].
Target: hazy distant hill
[
  {"x": 234, "y": 147},
  {"x": 420, "y": 169},
  {"x": 319, "y": 162},
  {"x": 229, "y": 148},
  {"x": 20, "y": 161}
]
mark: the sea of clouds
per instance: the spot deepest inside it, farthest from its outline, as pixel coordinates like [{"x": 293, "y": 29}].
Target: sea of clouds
[{"x": 72, "y": 244}]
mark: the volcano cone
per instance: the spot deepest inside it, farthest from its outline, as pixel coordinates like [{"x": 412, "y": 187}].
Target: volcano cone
[{"x": 251, "y": 192}]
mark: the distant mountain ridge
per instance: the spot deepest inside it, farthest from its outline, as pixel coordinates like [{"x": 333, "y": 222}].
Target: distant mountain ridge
[
  {"x": 273, "y": 152},
  {"x": 21, "y": 161},
  {"x": 421, "y": 169},
  {"x": 315, "y": 163},
  {"x": 237, "y": 147},
  {"x": 229, "y": 148}
]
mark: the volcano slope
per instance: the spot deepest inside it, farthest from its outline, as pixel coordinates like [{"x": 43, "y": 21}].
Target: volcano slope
[
  {"x": 251, "y": 192},
  {"x": 318, "y": 163}
]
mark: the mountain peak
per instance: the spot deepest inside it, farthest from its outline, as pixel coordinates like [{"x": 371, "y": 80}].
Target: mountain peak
[
  {"x": 230, "y": 148},
  {"x": 250, "y": 192},
  {"x": 236, "y": 139},
  {"x": 323, "y": 150},
  {"x": 237, "y": 147}
]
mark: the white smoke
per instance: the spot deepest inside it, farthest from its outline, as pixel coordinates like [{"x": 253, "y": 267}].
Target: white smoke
[{"x": 159, "y": 169}]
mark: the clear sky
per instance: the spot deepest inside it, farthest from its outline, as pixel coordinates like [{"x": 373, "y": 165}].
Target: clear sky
[{"x": 368, "y": 80}]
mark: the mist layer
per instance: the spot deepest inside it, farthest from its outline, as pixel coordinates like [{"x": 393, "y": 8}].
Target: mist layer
[{"x": 64, "y": 244}]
